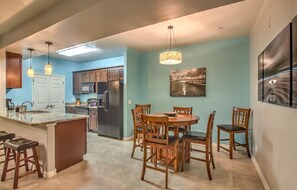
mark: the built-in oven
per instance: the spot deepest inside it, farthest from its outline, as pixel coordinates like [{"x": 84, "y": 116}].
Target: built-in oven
[{"x": 88, "y": 87}]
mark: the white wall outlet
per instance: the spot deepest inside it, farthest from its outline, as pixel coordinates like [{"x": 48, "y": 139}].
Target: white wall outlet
[
  {"x": 129, "y": 102},
  {"x": 256, "y": 148}
]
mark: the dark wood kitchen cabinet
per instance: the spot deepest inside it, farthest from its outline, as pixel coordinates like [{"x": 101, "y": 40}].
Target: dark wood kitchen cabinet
[
  {"x": 115, "y": 74},
  {"x": 13, "y": 70},
  {"x": 93, "y": 119},
  {"x": 76, "y": 83},
  {"x": 85, "y": 76},
  {"x": 101, "y": 75},
  {"x": 92, "y": 76}
]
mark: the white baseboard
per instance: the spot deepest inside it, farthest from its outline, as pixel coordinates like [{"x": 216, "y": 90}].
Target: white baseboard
[
  {"x": 128, "y": 138},
  {"x": 49, "y": 174},
  {"x": 265, "y": 184}
]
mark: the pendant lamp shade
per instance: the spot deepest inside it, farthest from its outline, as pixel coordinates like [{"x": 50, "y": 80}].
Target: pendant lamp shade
[
  {"x": 171, "y": 57},
  {"x": 48, "y": 67},
  {"x": 30, "y": 71}
]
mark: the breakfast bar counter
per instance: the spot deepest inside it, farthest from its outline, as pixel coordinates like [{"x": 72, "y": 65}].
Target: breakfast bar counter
[{"x": 61, "y": 136}]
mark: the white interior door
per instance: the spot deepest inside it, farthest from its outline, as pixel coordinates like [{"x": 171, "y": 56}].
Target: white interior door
[
  {"x": 49, "y": 93},
  {"x": 41, "y": 92},
  {"x": 57, "y": 94}
]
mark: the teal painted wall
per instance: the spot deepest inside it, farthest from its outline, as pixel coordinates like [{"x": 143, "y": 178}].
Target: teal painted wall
[
  {"x": 227, "y": 80},
  {"x": 60, "y": 67},
  {"x": 136, "y": 86}
]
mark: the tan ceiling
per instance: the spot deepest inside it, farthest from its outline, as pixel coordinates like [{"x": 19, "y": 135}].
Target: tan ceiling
[{"x": 142, "y": 25}]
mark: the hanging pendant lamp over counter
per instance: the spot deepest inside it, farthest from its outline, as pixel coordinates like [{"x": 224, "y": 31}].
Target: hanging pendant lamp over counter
[
  {"x": 30, "y": 71},
  {"x": 171, "y": 57},
  {"x": 48, "y": 67}
]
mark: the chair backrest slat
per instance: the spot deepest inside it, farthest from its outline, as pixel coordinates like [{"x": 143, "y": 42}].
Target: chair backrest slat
[
  {"x": 146, "y": 108},
  {"x": 182, "y": 110},
  {"x": 155, "y": 129},
  {"x": 136, "y": 114},
  {"x": 240, "y": 117},
  {"x": 210, "y": 125}
]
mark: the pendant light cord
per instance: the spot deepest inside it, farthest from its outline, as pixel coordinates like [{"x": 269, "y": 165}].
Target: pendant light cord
[{"x": 48, "y": 45}]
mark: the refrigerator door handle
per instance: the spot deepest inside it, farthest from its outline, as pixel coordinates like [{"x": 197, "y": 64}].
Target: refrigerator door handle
[{"x": 105, "y": 101}]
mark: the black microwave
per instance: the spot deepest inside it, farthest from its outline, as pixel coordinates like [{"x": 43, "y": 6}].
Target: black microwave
[{"x": 88, "y": 87}]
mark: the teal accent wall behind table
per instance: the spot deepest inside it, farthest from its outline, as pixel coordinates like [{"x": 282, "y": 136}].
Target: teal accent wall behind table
[
  {"x": 227, "y": 80},
  {"x": 103, "y": 63},
  {"x": 60, "y": 67},
  {"x": 135, "y": 85}
]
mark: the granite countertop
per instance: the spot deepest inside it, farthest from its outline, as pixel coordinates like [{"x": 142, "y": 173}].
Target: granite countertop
[{"x": 40, "y": 118}]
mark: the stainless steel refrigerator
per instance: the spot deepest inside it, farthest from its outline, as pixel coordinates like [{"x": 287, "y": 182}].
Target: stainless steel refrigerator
[{"x": 110, "y": 109}]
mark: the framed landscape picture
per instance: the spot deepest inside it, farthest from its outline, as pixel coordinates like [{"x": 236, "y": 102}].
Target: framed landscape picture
[{"x": 188, "y": 82}]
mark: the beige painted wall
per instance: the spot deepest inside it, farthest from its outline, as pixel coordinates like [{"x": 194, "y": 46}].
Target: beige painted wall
[
  {"x": 275, "y": 127},
  {"x": 2, "y": 80}
]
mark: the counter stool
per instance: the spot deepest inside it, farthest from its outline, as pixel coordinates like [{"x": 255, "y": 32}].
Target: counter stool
[
  {"x": 18, "y": 147},
  {"x": 4, "y": 136}
]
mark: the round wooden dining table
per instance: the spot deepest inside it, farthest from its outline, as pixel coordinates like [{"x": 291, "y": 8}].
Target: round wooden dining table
[
  {"x": 179, "y": 120},
  {"x": 176, "y": 121}
]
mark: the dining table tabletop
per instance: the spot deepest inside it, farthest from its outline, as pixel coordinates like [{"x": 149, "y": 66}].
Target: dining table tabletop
[{"x": 179, "y": 120}]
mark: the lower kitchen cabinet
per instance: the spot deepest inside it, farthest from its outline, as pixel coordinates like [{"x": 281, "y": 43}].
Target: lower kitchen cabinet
[{"x": 93, "y": 119}]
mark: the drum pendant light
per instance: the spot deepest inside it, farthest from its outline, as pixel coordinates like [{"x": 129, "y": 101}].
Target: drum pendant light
[
  {"x": 48, "y": 67},
  {"x": 30, "y": 71},
  {"x": 171, "y": 57}
]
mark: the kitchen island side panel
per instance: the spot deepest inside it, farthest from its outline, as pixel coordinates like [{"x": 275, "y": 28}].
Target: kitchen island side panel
[{"x": 71, "y": 143}]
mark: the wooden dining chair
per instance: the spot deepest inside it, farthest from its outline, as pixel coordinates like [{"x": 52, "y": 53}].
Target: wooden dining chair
[
  {"x": 146, "y": 108},
  {"x": 182, "y": 110},
  {"x": 155, "y": 133},
  {"x": 137, "y": 124},
  {"x": 240, "y": 124},
  {"x": 200, "y": 138}
]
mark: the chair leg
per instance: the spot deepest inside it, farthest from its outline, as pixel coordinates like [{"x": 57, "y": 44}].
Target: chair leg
[
  {"x": 36, "y": 161},
  {"x": 189, "y": 150},
  {"x": 26, "y": 160},
  {"x": 144, "y": 161},
  {"x": 231, "y": 145},
  {"x": 183, "y": 156},
  {"x": 234, "y": 146},
  {"x": 211, "y": 155},
  {"x": 16, "y": 171},
  {"x": 219, "y": 139},
  {"x": 134, "y": 145},
  {"x": 247, "y": 143},
  {"x": 166, "y": 177},
  {"x": 207, "y": 162},
  {"x": 176, "y": 162},
  {"x": 5, "y": 164}
]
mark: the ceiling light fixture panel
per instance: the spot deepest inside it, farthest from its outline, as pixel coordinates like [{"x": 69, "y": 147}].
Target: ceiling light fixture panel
[{"x": 77, "y": 50}]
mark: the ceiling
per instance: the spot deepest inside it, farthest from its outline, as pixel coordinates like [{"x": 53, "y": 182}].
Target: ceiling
[{"x": 112, "y": 25}]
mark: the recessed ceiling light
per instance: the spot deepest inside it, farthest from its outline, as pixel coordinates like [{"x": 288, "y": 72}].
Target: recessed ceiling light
[
  {"x": 77, "y": 50},
  {"x": 220, "y": 28}
]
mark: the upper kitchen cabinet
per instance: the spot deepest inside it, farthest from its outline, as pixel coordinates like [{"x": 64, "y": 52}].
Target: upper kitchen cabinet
[
  {"x": 13, "y": 70},
  {"x": 92, "y": 76},
  {"x": 101, "y": 75},
  {"x": 77, "y": 83},
  {"x": 115, "y": 73},
  {"x": 85, "y": 76}
]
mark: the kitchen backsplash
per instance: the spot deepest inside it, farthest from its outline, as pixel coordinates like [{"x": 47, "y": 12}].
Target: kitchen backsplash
[{"x": 85, "y": 97}]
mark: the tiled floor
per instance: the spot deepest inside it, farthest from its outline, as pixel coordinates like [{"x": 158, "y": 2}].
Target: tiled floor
[{"x": 108, "y": 166}]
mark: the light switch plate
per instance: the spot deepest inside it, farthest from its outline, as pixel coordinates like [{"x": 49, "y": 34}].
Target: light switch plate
[{"x": 129, "y": 102}]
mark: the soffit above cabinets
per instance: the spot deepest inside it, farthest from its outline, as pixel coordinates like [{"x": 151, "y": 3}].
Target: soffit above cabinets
[{"x": 142, "y": 25}]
